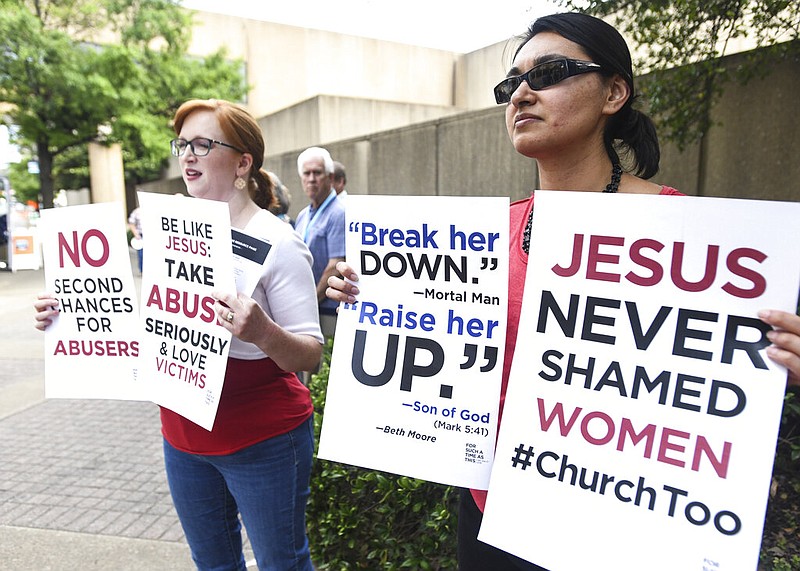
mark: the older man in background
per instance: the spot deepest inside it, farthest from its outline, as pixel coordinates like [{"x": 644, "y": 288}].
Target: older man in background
[{"x": 321, "y": 225}]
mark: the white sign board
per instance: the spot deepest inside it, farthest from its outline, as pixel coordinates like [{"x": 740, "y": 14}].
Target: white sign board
[
  {"x": 416, "y": 368},
  {"x": 92, "y": 346},
  {"x": 188, "y": 256},
  {"x": 642, "y": 412}
]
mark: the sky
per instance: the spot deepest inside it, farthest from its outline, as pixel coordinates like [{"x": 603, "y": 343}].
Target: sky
[
  {"x": 452, "y": 25},
  {"x": 8, "y": 152}
]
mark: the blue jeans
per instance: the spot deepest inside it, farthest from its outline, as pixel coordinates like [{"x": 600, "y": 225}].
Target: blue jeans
[{"x": 268, "y": 483}]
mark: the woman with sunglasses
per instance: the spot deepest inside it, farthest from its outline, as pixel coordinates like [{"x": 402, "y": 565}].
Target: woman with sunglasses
[
  {"x": 257, "y": 459},
  {"x": 569, "y": 105}
]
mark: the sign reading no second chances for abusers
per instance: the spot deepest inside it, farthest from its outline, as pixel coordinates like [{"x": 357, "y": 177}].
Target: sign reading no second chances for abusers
[
  {"x": 642, "y": 412},
  {"x": 92, "y": 347},
  {"x": 416, "y": 368}
]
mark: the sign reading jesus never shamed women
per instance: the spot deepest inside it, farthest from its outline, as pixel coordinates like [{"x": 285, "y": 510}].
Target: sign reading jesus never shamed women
[{"x": 642, "y": 411}]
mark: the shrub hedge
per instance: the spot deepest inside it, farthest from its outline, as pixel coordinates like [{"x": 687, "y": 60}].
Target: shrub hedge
[{"x": 365, "y": 519}]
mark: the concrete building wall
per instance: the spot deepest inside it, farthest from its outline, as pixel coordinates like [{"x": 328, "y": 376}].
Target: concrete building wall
[
  {"x": 416, "y": 121},
  {"x": 355, "y": 155},
  {"x": 324, "y": 119},
  {"x": 478, "y": 72},
  {"x": 464, "y": 155},
  {"x": 473, "y": 150},
  {"x": 292, "y": 128},
  {"x": 754, "y": 150},
  {"x": 404, "y": 161},
  {"x": 750, "y": 153},
  {"x": 347, "y": 117},
  {"x": 287, "y": 64}
]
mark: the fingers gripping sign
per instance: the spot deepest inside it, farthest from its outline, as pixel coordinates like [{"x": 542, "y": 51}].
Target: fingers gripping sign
[
  {"x": 785, "y": 339},
  {"x": 343, "y": 287},
  {"x": 224, "y": 307},
  {"x": 242, "y": 316}
]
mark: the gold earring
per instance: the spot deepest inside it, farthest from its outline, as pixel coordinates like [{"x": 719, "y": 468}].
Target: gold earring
[{"x": 240, "y": 183}]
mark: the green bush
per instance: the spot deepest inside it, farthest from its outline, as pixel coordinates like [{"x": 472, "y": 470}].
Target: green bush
[
  {"x": 780, "y": 547},
  {"x": 365, "y": 519},
  {"x": 789, "y": 437}
]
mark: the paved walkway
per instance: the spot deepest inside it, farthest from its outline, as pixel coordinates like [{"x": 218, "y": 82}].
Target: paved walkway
[{"x": 82, "y": 482}]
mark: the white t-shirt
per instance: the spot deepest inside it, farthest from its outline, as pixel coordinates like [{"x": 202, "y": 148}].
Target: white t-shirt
[{"x": 286, "y": 289}]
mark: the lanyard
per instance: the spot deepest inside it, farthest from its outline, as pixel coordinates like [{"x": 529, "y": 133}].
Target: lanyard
[{"x": 322, "y": 207}]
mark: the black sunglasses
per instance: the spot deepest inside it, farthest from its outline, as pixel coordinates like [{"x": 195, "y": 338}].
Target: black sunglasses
[
  {"x": 200, "y": 146},
  {"x": 543, "y": 75}
]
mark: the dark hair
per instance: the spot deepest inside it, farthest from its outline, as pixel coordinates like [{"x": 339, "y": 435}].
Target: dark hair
[
  {"x": 629, "y": 129},
  {"x": 282, "y": 195},
  {"x": 338, "y": 171},
  {"x": 243, "y": 132}
]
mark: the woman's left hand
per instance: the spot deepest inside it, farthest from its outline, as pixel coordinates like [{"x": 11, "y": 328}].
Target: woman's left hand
[
  {"x": 241, "y": 315},
  {"x": 785, "y": 338}
]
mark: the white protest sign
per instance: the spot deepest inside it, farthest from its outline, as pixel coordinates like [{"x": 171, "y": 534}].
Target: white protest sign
[
  {"x": 415, "y": 373},
  {"x": 91, "y": 347},
  {"x": 183, "y": 350},
  {"x": 642, "y": 412}
]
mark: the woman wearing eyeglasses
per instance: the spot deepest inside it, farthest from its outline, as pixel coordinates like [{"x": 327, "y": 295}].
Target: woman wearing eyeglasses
[
  {"x": 569, "y": 105},
  {"x": 257, "y": 459}
]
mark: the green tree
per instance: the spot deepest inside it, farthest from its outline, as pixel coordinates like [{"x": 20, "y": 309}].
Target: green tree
[
  {"x": 687, "y": 38},
  {"x": 64, "y": 89},
  {"x": 25, "y": 184}
]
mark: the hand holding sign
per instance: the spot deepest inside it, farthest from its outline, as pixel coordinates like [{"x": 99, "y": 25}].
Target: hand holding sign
[
  {"x": 785, "y": 340},
  {"x": 344, "y": 289}
]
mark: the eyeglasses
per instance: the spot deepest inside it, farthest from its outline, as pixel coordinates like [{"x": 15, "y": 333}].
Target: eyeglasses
[
  {"x": 200, "y": 146},
  {"x": 542, "y": 76}
]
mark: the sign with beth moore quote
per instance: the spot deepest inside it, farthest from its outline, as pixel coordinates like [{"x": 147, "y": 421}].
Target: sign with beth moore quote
[
  {"x": 187, "y": 256},
  {"x": 92, "y": 346},
  {"x": 414, "y": 384},
  {"x": 642, "y": 412}
]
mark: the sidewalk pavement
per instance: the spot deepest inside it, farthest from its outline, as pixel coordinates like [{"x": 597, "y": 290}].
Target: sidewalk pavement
[{"x": 82, "y": 483}]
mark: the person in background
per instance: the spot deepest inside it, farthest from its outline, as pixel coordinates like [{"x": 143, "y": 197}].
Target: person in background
[
  {"x": 339, "y": 180},
  {"x": 321, "y": 225},
  {"x": 256, "y": 462},
  {"x": 569, "y": 98},
  {"x": 283, "y": 199},
  {"x": 135, "y": 226}
]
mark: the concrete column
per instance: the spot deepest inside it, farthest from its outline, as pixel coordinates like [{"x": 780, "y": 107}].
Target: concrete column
[
  {"x": 361, "y": 168},
  {"x": 106, "y": 173}
]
